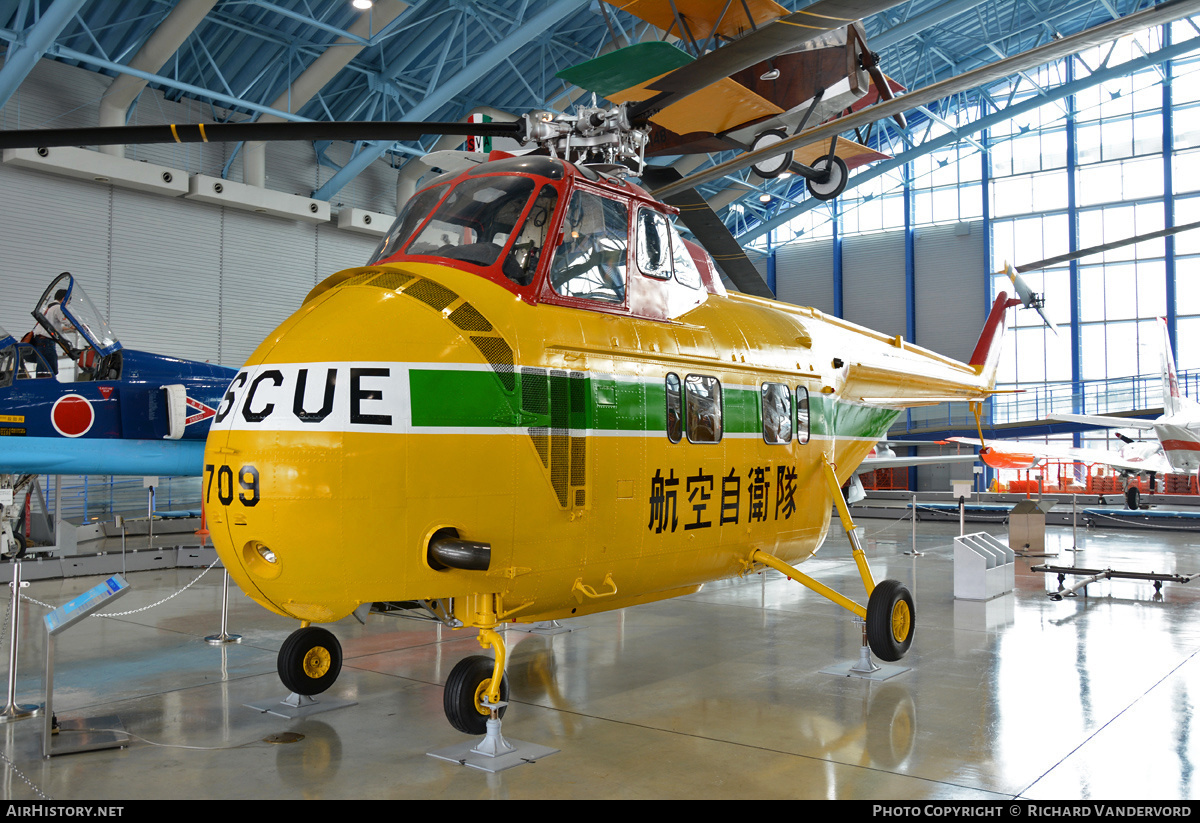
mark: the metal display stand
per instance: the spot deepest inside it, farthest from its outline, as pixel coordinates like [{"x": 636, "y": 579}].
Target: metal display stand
[{"x": 58, "y": 621}]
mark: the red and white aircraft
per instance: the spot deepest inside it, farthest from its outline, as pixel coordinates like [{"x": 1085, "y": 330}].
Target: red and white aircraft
[{"x": 1176, "y": 450}]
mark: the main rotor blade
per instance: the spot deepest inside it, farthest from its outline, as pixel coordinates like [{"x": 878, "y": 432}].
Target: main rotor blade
[
  {"x": 238, "y": 132},
  {"x": 1116, "y": 244},
  {"x": 716, "y": 238},
  {"x": 1166, "y": 12}
]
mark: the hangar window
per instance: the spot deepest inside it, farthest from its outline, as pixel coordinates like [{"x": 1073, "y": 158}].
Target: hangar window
[
  {"x": 674, "y": 409},
  {"x": 801, "y": 414},
  {"x": 776, "y": 413},
  {"x": 703, "y": 408}
]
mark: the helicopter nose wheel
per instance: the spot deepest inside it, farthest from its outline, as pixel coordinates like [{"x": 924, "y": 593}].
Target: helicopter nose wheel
[
  {"x": 309, "y": 660},
  {"x": 833, "y": 182},
  {"x": 465, "y": 688},
  {"x": 890, "y": 620}
]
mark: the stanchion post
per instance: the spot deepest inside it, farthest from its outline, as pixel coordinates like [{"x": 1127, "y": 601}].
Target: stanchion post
[
  {"x": 224, "y": 636},
  {"x": 13, "y": 711}
]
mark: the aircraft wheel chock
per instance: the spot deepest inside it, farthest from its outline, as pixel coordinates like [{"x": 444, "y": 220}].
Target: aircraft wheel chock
[
  {"x": 310, "y": 660},
  {"x": 1133, "y": 497},
  {"x": 890, "y": 620},
  {"x": 834, "y": 184},
  {"x": 464, "y": 692}
]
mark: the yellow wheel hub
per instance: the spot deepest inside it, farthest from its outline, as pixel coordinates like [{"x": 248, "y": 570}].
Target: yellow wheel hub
[
  {"x": 901, "y": 621},
  {"x": 317, "y": 662},
  {"x": 480, "y": 691}
]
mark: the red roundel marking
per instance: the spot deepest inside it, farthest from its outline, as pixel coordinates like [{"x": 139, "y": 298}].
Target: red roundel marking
[{"x": 72, "y": 415}]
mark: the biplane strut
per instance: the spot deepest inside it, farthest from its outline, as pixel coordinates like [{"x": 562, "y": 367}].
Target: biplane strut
[{"x": 888, "y": 620}]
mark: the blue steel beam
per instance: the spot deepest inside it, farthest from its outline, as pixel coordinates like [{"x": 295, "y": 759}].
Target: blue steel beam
[
  {"x": 535, "y": 27},
  {"x": 20, "y": 61}
]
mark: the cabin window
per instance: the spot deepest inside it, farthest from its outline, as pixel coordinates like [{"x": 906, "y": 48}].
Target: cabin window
[
  {"x": 776, "y": 413},
  {"x": 653, "y": 244},
  {"x": 475, "y": 221},
  {"x": 522, "y": 260},
  {"x": 685, "y": 267},
  {"x": 411, "y": 216},
  {"x": 674, "y": 408},
  {"x": 703, "y": 408},
  {"x": 592, "y": 260},
  {"x": 801, "y": 414}
]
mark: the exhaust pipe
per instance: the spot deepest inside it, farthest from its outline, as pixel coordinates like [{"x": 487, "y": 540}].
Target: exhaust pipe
[{"x": 449, "y": 551}]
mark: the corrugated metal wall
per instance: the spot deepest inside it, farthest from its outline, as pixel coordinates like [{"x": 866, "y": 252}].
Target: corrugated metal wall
[{"x": 949, "y": 281}]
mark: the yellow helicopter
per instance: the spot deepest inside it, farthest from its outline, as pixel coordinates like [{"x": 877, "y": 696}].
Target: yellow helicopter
[{"x": 538, "y": 401}]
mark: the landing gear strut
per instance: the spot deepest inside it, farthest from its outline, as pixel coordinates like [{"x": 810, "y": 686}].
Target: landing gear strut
[{"x": 889, "y": 617}]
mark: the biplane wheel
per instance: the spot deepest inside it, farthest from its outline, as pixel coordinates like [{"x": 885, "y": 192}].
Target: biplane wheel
[
  {"x": 310, "y": 660},
  {"x": 890, "y": 620},
  {"x": 464, "y": 692},
  {"x": 834, "y": 184},
  {"x": 1133, "y": 497},
  {"x": 772, "y": 167}
]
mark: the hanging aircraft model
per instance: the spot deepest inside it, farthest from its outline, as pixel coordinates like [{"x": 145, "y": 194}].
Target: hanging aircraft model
[
  {"x": 120, "y": 411},
  {"x": 751, "y": 108},
  {"x": 538, "y": 401}
]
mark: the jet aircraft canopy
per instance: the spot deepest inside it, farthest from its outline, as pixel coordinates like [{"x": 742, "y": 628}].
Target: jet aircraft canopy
[{"x": 79, "y": 311}]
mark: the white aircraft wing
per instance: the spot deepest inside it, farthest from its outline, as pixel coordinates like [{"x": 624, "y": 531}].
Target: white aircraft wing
[
  {"x": 872, "y": 463},
  {"x": 1109, "y": 422}
]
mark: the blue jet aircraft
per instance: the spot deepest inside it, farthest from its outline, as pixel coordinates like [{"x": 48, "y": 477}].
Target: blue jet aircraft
[{"x": 113, "y": 411}]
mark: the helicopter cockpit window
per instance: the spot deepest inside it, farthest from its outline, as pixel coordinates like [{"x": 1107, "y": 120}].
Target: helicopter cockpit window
[
  {"x": 522, "y": 260},
  {"x": 592, "y": 260},
  {"x": 801, "y": 414},
  {"x": 776, "y": 413},
  {"x": 674, "y": 408},
  {"x": 476, "y": 220},
  {"x": 411, "y": 216},
  {"x": 685, "y": 267},
  {"x": 653, "y": 244},
  {"x": 703, "y": 408}
]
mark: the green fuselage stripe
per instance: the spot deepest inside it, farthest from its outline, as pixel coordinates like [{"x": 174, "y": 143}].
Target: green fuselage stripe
[{"x": 469, "y": 399}]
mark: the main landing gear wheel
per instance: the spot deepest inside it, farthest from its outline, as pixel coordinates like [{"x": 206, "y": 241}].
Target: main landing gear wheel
[
  {"x": 310, "y": 661},
  {"x": 890, "y": 620},
  {"x": 771, "y": 167},
  {"x": 463, "y": 697},
  {"x": 834, "y": 183},
  {"x": 1133, "y": 497}
]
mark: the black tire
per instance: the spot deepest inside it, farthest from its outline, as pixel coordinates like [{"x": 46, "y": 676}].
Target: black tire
[
  {"x": 463, "y": 688},
  {"x": 891, "y": 620},
  {"x": 1133, "y": 497},
  {"x": 834, "y": 184},
  {"x": 310, "y": 660}
]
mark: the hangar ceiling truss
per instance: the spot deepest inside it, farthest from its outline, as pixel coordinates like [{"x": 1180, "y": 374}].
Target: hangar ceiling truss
[{"x": 439, "y": 59}]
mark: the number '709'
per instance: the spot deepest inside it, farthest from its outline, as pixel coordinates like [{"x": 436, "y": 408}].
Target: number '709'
[{"x": 247, "y": 480}]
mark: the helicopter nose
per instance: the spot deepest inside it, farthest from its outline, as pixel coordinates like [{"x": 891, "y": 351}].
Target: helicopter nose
[{"x": 308, "y": 460}]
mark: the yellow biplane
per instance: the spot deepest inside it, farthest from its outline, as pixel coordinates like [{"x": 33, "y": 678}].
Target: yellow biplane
[{"x": 771, "y": 73}]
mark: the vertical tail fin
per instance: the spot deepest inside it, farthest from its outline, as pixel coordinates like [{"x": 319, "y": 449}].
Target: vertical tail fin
[{"x": 1172, "y": 396}]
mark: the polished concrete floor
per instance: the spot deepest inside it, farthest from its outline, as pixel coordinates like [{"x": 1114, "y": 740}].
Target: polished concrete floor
[{"x": 717, "y": 695}]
